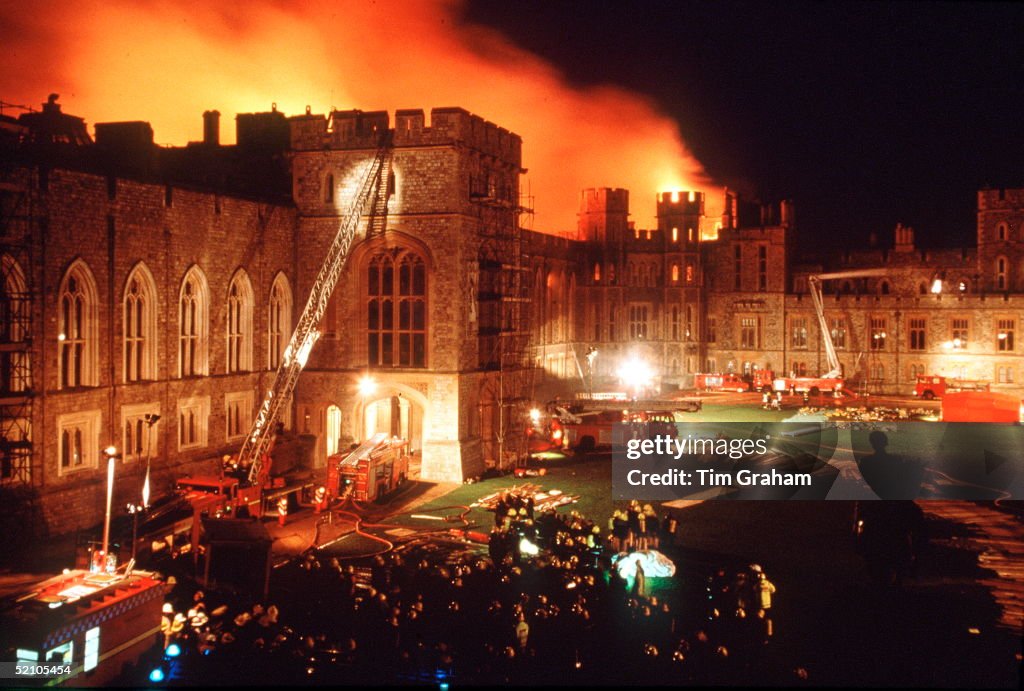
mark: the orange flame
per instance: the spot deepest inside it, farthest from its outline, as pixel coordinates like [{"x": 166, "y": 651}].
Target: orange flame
[{"x": 158, "y": 61}]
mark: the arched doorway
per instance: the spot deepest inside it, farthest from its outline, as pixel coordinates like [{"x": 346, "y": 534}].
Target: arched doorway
[{"x": 397, "y": 416}]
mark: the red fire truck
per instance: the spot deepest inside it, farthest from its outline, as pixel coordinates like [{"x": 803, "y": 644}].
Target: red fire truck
[
  {"x": 720, "y": 382},
  {"x": 376, "y": 467},
  {"x": 933, "y": 386}
]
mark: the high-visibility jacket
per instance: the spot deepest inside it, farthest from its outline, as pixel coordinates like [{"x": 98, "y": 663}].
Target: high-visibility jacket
[
  {"x": 765, "y": 589},
  {"x": 282, "y": 506}
]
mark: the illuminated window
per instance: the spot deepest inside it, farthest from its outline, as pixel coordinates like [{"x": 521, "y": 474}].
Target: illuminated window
[
  {"x": 63, "y": 654},
  {"x": 78, "y": 330},
  {"x": 918, "y": 332},
  {"x": 750, "y": 332},
  {"x": 140, "y": 326},
  {"x": 798, "y": 332},
  {"x": 691, "y": 235},
  {"x": 959, "y": 332},
  {"x": 279, "y": 321},
  {"x": 135, "y": 443},
  {"x": 675, "y": 273},
  {"x": 193, "y": 418},
  {"x": 397, "y": 309},
  {"x": 239, "y": 324},
  {"x": 78, "y": 436},
  {"x": 675, "y": 234},
  {"x": 237, "y": 414},
  {"x": 597, "y": 272},
  {"x": 878, "y": 333},
  {"x": 193, "y": 324},
  {"x": 1004, "y": 335},
  {"x": 638, "y": 321},
  {"x": 92, "y": 649},
  {"x": 837, "y": 329},
  {"x": 689, "y": 272}
]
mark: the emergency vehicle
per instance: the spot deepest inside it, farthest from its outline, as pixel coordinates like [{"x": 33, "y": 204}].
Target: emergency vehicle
[
  {"x": 378, "y": 466},
  {"x": 933, "y": 386},
  {"x": 82, "y": 628},
  {"x": 720, "y": 382}
]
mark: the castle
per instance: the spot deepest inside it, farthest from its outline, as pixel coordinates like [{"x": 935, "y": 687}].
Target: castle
[{"x": 148, "y": 295}]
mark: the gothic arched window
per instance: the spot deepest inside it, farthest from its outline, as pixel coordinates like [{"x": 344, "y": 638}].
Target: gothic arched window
[
  {"x": 396, "y": 308},
  {"x": 78, "y": 334}
]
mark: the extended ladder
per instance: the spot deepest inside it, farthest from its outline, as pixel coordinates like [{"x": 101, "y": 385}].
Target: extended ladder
[{"x": 258, "y": 443}]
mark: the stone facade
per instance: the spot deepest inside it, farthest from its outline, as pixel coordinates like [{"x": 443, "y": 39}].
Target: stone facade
[{"x": 444, "y": 357}]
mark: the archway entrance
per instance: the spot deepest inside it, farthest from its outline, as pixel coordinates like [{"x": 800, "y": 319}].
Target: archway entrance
[{"x": 397, "y": 416}]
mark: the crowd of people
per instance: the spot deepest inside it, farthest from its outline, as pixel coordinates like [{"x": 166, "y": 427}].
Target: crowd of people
[{"x": 429, "y": 612}]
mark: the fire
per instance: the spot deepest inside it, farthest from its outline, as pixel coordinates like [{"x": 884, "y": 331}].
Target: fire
[{"x": 118, "y": 59}]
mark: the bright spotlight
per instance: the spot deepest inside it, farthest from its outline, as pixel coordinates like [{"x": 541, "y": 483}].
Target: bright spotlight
[
  {"x": 534, "y": 415},
  {"x": 367, "y": 386},
  {"x": 528, "y": 548},
  {"x": 937, "y": 286},
  {"x": 636, "y": 373}
]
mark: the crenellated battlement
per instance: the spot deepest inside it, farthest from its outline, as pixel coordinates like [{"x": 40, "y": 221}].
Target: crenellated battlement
[
  {"x": 357, "y": 129},
  {"x": 680, "y": 202},
  {"x": 1001, "y": 198},
  {"x": 604, "y": 200}
]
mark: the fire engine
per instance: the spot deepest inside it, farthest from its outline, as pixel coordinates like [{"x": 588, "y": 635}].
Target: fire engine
[
  {"x": 254, "y": 460},
  {"x": 832, "y": 380},
  {"x": 720, "y": 382},
  {"x": 378, "y": 466},
  {"x": 933, "y": 386},
  {"x": 585, "y": 431}
]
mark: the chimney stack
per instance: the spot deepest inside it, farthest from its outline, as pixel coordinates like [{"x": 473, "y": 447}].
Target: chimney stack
[{"x": 211, "y": 128}]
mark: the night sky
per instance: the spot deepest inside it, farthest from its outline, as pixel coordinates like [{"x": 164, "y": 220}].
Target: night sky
[{"x": 865, "y": 114}]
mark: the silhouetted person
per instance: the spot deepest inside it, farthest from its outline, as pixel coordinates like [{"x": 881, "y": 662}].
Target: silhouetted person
[{"x": 891, "y": 477}]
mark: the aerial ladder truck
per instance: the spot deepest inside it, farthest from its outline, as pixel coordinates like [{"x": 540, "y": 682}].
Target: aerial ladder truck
[
  {"x": 248, "y": 488},
  {"x": 832, "y": 380}
]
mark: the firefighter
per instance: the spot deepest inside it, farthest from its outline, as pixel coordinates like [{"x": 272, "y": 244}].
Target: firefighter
[
  {"x": 765, "y": 589},
  {"x": 282, "y": 510},
  {"x": 319, "y": 499}
]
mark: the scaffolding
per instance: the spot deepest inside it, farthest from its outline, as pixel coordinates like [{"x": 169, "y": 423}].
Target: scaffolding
[
  {"x": 17, "y": 219},
  {"x": 503, "y": 297}
]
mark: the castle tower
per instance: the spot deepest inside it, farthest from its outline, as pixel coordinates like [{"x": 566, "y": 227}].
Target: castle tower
[
  {"x": 681, "y": 217},
  {"x": 603, "y": 215}
]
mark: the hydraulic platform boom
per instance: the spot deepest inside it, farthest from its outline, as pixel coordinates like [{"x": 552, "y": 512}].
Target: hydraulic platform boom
[{"x": 258, "y": 443}]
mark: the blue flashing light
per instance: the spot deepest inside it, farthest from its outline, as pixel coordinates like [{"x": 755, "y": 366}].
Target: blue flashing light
[
  {"x": 173, "y": 650},
  {"x": 157, "y": 675},
  {"x": 443, "y": 686}
]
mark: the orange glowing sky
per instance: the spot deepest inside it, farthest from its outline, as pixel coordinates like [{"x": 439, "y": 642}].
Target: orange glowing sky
[{"x": 167, "y": 62}]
